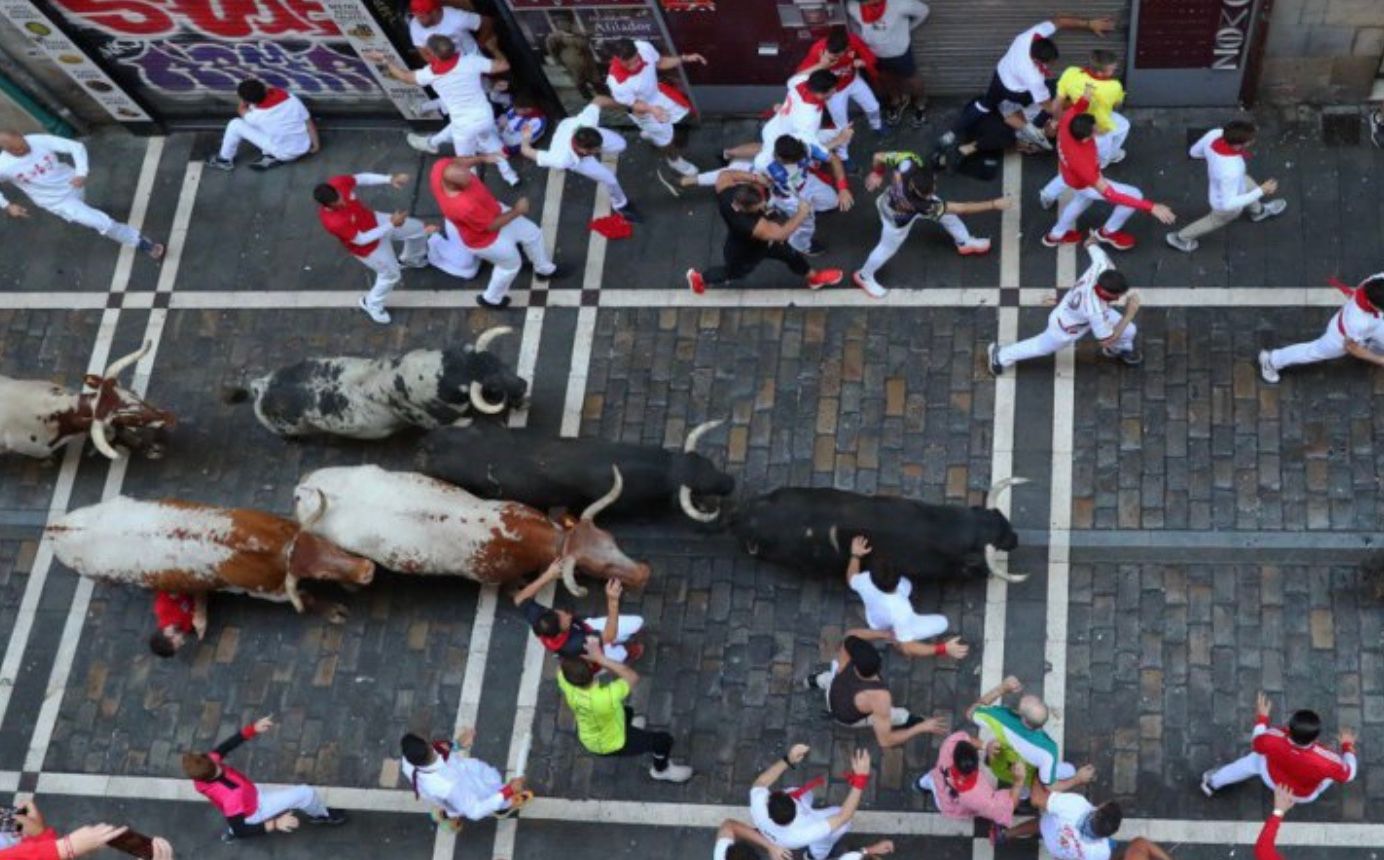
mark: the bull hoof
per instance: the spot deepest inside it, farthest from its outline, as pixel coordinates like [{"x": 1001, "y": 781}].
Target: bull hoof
[
  {"x": 336, "y": 613},
  {"x": 155, "y": 453},
  {"x": 752, "y": 548}
]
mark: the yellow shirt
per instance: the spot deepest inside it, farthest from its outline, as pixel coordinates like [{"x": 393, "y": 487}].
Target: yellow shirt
[
  {"x": 600, "y": 713},
  {"x": 1105, "y": 97}
]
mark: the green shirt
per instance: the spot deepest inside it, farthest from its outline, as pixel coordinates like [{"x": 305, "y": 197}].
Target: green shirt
[{"x": 600, "y": 713}]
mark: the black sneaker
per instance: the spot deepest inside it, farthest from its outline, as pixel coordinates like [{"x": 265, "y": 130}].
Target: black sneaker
[
  {"x": 559, "y": 272},
  {"x": 913, "y": 720},
  {"x": 1127, "y": 357},
  {"x": 919, "y": 118},
  {"x": 265, "y": 162},
  {"x": 494, "y": 306},
  {"x": 631, "y": 214},
  {"x": 816, "y": 249},
  {"x": 893, "y": 114},
  {"x": 332, "y": 818}
]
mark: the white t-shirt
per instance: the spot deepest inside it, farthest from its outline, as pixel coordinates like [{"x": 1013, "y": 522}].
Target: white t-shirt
[
  {"x": 559, "y": 153},
  {"x": 1016, "y": 68},
  {"x": 456, "y": 24},
  {"x": 891, "y": 34},
  {"x": 808, "y": 826},
  {"x": 643, "y": 84},
  {"x": 799, "y": 115},
  {"x": 1061, "y": 826},
  {"x": 888, "y": 611},
  {"x": 722, "y": 846},
  {"x": 1359, "y": 324},
  {"x": 461, "y": 89},
  {"x": 1081, "y": 309},
  {"x": 463, "y": 787},
  {"x": 43, "y": 176},
  {"x": 286, "y": 124}
]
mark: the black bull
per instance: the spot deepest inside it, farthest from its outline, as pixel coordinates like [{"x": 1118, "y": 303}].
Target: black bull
[
  {"x": 529, "y": 466},
  {"x": 811, "y": 529}
]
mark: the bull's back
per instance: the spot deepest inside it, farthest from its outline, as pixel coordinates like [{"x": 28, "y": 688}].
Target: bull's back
[
  {"x": 340, "y": 395},
  {"x": 25, "y": 409}
]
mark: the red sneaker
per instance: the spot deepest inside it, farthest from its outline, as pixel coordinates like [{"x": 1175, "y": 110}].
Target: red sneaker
[
  {"x": 1071, "y": 237},
  {"x": 633, "y": 651},
  {"x": 695, "y": 282},
  {"x": 824, "y": 278},
  {"x": 1119, "y": 240}
]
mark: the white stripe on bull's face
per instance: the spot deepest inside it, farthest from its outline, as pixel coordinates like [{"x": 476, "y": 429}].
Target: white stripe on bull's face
[
  {"x": 404, "y": 521},
  {"x": 126, "y": 539}
]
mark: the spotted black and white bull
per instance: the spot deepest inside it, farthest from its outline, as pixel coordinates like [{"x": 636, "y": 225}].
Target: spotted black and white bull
[
  {"x": 532, "y": 467},
  {"x": 812, "y": 528},
  {"x": 412, "y": 523},
  {"x": 371, "y": 398},
  {"x": 37, "y": 418},
  {"x": 188, "y": 547}
]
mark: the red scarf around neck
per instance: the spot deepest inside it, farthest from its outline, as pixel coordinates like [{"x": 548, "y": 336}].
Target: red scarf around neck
[{"x": 872, "y": 12}]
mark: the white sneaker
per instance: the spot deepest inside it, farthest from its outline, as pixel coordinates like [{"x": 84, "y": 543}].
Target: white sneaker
[
  {"x": 683, "y": 166},
  {"x": 1269, "y": 210},
  {"x": 379, "y": 315},
  {"x": 973, "y": 246},
  {"x": 422, "y": 143},
  {"x": 1034, "y": 136},
  {"x": 1181, "y": 244},
  {"x": 871, "y": 287},
  {"x": 1266, "y": 368},
  {"x": 671, "y": 773},
  {"x": 1045, "y": 201},
  {"x": 1117, "y": 156},
  {"x": 640, "y": 721}
]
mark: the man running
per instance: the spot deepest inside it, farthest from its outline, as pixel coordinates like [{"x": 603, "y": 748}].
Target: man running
[
  {"x": 654, "y": 106},
  {"x": 1231, "y": 189},
  {"x": 1085, "y": 308},
  {"x": 887, "y": 26},
  {"x": 912, "y": 197},
  {"x": 457, "y": 786},
  {"x": 1107, "y": 94},
  {"x": 463, "y": 27},
  {"x": 846, "y": 56},
  {"x": 457, "y": 79},
  {"x": 1357, "y": 330},
  {"x": 272, "y": 120},
  {"x": 787, "y": 817},
  {"x": 1079, "y": 171},
  {"x": 177, "y": 616},
  {"x": 1288, "y": 756},
  {"x": 577, "y": 145},
  {"x": 31, "y": 162},
  {"x": 858, "y": 697}
]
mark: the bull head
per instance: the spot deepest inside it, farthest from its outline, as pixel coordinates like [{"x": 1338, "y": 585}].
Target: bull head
[
  {"x": 698, "y": 470},
  {"x": 309, "y": 556},
  {"x": 111, "y": 405},
  {"x": 493, "y": 386},
  {"x": 594, "y": 551},
  {"x": 1007, "y": 541}
]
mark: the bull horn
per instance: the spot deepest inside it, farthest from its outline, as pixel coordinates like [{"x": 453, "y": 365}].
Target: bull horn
[
  {"x": 685, "y": 492},
  {"x": 291, "y": 589},
  {"x": 608, "y": 499},
  {"x": 120, "y": 364},
  {"x": 992, "y": 561},
  {"x": 569, "y": 577},
  {"x": 695, "y": 436},
  {"x": 483, "y": 342},
  {"x": 101, "y": 441},
  {"x": 999, "y": 488},
  {"x": 316, "y": 515},
  {"x": 482, "y": 405}
]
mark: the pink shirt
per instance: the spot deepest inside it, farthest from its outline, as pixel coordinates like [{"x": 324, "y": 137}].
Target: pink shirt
[{"x": 983, "y": 800}]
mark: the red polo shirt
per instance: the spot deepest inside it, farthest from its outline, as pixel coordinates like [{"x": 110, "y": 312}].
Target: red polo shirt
[
  {"x": 347, "y": 222},
  {"x": 844, "y": 66},
  {"x": 174, "y": 610},
  {"x": 472, "y": 210}
]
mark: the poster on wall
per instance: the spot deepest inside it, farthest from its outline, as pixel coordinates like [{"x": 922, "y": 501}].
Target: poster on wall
[
  {"x": 182, "y": 57},
  {"x": 73, "y": 61},
  {"x": 364, "y": 33}
]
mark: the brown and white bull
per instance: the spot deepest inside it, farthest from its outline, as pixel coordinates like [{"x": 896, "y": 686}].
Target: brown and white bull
[
  {"x": 37, "y": 418},
  {"x": 188, "y": 547},
  {"x": 411, "y": 523}
]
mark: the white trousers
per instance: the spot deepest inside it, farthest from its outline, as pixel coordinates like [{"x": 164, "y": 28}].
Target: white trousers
[
  {"x": 897, "y": 716},
  {"x": 383, "y": 262},
  {"x": 821, "y": 849},
  {"x": 1054, "y": 337},
  {"x": 1112, "y": 141},
  {"x": 1082, "y": 199},
  {"x": 820, "y": 196},
  {"x": 446, "y": 252},
  {"x": 660, "y": 134},
  {"x": 891, "y": 237},
  {"x": 238, "y": 130},
  {"x": 1332, "y": 344},
  {"x": 625, "y": 627},
  {"x": 838, "y": 105},
  {"x": 477, "y": 135},
  {"x": 75, "y": 210},
  {"x": 503, "y": 255},
  {"x": 1248, "y": 767},
  {"x": 276, "y": 801}
]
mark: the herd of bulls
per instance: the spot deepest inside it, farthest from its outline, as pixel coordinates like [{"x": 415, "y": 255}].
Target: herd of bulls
[{"x": 490, "y": 503}]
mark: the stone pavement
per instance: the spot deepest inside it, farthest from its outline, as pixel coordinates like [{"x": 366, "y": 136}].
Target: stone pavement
[{"x": 1191, "y": 533}]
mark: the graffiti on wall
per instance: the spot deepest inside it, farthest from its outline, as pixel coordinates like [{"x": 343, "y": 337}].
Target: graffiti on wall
[{"x": 186, "y": 50}]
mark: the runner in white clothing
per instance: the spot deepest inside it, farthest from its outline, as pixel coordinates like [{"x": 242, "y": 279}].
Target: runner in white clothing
[
  {"x": 1085, "y": 308},
  {"x": 654, "y": 106},
  {"x": 889, "y": 607},
  {"x": 457, "y": 80},
  {"x": 1357, "y": 329},
  {"x": 272, "y": 120},
  {"x": 457, "y": 786},
  {"x": 31, "y": 162},
  {"x": 577, "y": 145},
  {"x": 787, "y": 818},
  {"x": 799, "y": 115},
  {"x": 736, "y": 840},
  {"x": 463, "y": 27}
]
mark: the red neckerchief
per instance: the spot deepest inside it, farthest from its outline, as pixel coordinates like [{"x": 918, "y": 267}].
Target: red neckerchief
[
  {"x": 808, "y": 96},
  {"x": 274, "y": 96},
  {"x": 962, "y": 782},
  {"x": 621, "y": 73},
  {"x": 1363, "y": 303},
  {"x": 1097, "y": 75},
  {"x": 553, "y": 643},
  {"x": 798, "y": 793},
  {"x": 1220, "y": 147},
  {"x": 1104, "y": 296},
  {"x": 442, "y": 67},
  {"x": 872, "y": 12}
]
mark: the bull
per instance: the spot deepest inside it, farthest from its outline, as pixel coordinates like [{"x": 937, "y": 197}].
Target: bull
[
  {"x": 812, "y": 529},
  {"x": 528, "y": 466},
  {"x": 37, "y": 418},
  {"x": 187, "y": 547},
  {"x": 371, "y": 398},
  {"x": 411, "y": 523}
]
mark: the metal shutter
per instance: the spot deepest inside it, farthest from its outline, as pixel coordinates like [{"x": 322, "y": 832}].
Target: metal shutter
[{"x": 962, "y": 40}]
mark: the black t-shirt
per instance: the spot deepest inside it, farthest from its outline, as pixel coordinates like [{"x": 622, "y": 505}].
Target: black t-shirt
[
  {"x": 741, "y": 241},
  {"x": 569, "y": 644}
]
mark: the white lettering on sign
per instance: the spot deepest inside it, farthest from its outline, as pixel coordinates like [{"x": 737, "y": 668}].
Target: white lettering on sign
[{"x": 1232, "y": 33}]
